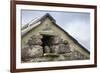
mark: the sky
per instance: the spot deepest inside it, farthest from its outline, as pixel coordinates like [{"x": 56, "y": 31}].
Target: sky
[{"x": 75, "y": 23}]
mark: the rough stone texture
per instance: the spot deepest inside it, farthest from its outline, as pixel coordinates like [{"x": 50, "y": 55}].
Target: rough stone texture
[
  {"x": 46, "y": 49},
  {"x": 61, "y": 48},
  {"x": 54, "y": 48},
  {"x": 35, "y": 41},
  {"x": 65, "y": 42},
  {"x": 60, "y": 58},
  {"x": 56, "y": 40},
  {"x": 24, "y": 52},
  {"x": 30, "y": 42},
  {"x": 36, "y": 51},
  {"x": 78, "y": 55},
  {"x": 64, "y": 48},
  {"x": 41, "y": 59},
  {"x": 57, "y": 50},
  {"x": 36, "y": 36}
]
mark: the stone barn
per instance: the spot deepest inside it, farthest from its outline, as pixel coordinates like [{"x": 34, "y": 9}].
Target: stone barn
[{"x": 43, "y": 40}]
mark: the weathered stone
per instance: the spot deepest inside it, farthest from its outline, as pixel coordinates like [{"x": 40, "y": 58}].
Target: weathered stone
[
  {"x": 36, "y": 51},
  {"x": 37, "y": 41},
  {"x": 41, "y": 59},
  {"x": 78, "y": 55},
  {"x": 61, "y": 48},
  {"x": 46, "y": 49},
  {"x": 56, "y": 40},
  {"x": 24, "y": 52},
  {"x": 34, "y": 41},
  {"x": 30, "y": 42},
  {"x": 36, "y": 36},
  {"x": 54, "y": 48},
  {"x": 65, "y": 42},
  {"x": 60, "y": 58}
]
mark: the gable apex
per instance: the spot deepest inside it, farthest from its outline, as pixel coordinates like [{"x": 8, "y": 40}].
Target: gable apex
[{"x": 49, "y": 16}]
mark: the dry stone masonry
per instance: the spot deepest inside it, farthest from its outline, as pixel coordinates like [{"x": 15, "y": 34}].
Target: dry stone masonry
[
  {"x": 51, "y": 48},
  {"x": 44, "y": 40}
]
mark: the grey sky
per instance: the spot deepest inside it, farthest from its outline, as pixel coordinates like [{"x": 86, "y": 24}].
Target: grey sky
[{"x": 76, "y": 24}]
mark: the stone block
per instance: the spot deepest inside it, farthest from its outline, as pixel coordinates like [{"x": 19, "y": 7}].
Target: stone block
[
  {"x": 35, "y": 41},
  {"x": 61, "y": 48},
  {"x": 36, "y": 51},
  {"x": 46, "y": 49},
  {"x": 33, "y": 52},
  {"x": 56, "y": 40}
]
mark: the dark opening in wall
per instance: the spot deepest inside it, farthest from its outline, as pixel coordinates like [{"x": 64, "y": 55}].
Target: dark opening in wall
[{"x": 46, "y": 43}]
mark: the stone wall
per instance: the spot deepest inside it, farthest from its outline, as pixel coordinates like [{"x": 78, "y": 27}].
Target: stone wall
[
  {"x": 58, "y": 49},
  {"x": 33, "y": 48}
]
